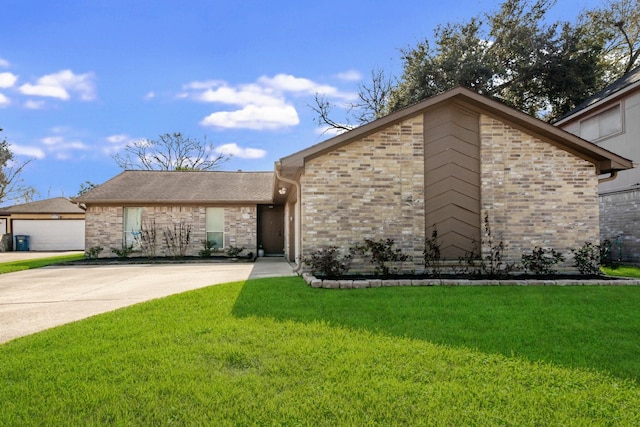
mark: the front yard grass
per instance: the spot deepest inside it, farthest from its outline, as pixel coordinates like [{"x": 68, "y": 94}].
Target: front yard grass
[
  {"x": 9, "y": 267},
  {"x": 622, "y": 271},
  {"x": 277, "y": 352}
]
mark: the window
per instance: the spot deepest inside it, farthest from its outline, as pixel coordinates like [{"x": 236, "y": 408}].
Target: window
[
  {"x": 131, "y": 226},
  {"x": 602, "y": 125},
  {"x": 215, "y": 226}
]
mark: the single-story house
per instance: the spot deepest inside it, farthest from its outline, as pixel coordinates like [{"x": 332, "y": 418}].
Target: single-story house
[
  {"x": 228, "y": 208},
  {"x": 447, "y": 162},
  {"x": 54, "y": 224}
]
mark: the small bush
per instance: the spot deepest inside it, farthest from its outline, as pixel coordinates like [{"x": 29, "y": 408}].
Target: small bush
[
  {"x": 492, "y": 265},
  {"x": 328, "y": 262},
  {"x": 234, "y": 251},
  {"x": 432, "y": 255},
  {"x": 208, "y": 248},
  {"x": 147, "y": 239},
  {"x": 381, "y": 254},
  {"x": 178, "y": 239},
  {"x": 542, "y": 261},
  {"x": 93, "y": 252},
  {"x": 587, "y": 258},
  {"x": 123, "y": 252}
]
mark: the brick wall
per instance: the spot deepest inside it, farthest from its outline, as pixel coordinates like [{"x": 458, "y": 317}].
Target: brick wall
[
  {"x": 373, "y": 188},
  {"x": 535, "y": 194},
  {"x": 619, "y": 217},
  {"x": 104, "y": 225}
]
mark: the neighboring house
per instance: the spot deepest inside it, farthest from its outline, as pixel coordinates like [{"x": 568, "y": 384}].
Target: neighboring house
[
  {"x": 611, "y": 119},
  {"x": 228, "y": 208},
  {"x": 447, "y": 162},
  {"x": 51, "y": 225}
]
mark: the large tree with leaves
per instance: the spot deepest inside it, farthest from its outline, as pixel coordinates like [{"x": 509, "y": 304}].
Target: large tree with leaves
[
  {"x": 12, "y": 186},
  {"x": 617, "y": 24},
  {"x": 515, "y": 55},
  {"x": 171, "y": 151}
]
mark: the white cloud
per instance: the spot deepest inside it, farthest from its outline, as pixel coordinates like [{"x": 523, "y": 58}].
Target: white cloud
[
  {"x": 243, "y": 153},
  {"x": 150, "y": 95},
  {"x": 34, "y": 105},
  {"x": 4, "y": 63},
  {"x": 254, "y": 117},
  {"x": 349, "y": 76},
  {"x": 242, "y": 96},
  {"x": 7, "y": 80},
  {"x": 20, "y": 150},
  {"x": 4, "y": 101},
  {"x": 116, "y": 143},
  {"x": 263, "y": 104},
  {"x": 60, "y": 143},
  {"x": 289, "y": 83},
  {"x": 61, "y": 85}
]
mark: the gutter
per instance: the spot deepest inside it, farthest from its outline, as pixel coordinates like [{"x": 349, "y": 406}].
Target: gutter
[
  {"x": 613, "y": 175},
  {"x": 298, "y": 215}
]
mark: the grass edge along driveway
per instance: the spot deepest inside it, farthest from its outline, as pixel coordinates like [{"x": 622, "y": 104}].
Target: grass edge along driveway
[{"x": 274, "y": 351}]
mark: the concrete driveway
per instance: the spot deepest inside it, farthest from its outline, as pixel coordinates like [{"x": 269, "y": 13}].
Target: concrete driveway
[{"x": 38, "y": 299}]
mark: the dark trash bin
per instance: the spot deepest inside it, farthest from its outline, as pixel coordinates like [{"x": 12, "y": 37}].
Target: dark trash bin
[{"x": 22, "y": 243}]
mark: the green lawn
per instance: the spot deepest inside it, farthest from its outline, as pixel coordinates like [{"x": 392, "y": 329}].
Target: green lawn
[
  {"x": 9, "y": 267},
  {"x": 276, "y": 352},
  {"x": 622, "y": 271}
]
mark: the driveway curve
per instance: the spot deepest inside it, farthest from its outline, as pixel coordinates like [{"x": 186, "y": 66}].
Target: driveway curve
[{"x": 38, "y": 299}]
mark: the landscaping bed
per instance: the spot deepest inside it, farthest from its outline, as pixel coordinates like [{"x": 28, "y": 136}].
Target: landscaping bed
[{"x": 359, "y": 281}]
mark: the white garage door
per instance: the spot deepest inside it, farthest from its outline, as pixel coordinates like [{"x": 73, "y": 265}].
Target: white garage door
[{"x": 51, "y": 235}]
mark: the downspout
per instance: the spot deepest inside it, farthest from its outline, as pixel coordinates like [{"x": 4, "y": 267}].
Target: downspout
[{"x": 298, "y": 215}]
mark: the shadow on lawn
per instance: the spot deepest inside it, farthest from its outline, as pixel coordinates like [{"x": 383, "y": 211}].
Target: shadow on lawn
[{"x": 578, "y": 327}]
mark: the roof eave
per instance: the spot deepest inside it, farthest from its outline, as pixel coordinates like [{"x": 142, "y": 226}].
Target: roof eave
[{"x": 604, "y": 160}]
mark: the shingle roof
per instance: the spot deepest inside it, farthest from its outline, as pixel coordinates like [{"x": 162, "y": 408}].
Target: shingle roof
[
  {"x": 183, "y": 187},
  {"x": 57, "y": 205},
  {"x": 622, "y": 83}
]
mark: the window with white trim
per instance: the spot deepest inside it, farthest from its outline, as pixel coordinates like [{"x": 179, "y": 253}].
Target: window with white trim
[
  {"x": 132, "y": 224},
  {"x": 215, "y": 226},
  {"x": 602, "y": 125}
]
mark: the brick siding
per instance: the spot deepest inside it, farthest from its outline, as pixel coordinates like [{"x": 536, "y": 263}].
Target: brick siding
[
  {"x": 619, "y": 217},
  {"x": 534, "y": 193},
  {"x": 104, "y": 226}
]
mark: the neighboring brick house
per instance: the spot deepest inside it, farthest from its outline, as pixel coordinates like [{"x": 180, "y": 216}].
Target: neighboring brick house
[
  {"x": 228, "y": 208},
  {"x": 447, "y": 161},
  {"x": 611, "y": 120}
]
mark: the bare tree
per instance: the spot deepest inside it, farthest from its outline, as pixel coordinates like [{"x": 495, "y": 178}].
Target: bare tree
[
  {"x": 372, "y": 104},
  {"x": 12, "y": 186},
  {"x": 171, "y": 151}
]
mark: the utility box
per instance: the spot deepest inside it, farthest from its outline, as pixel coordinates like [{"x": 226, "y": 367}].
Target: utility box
[{"x": 22, "y": 243}]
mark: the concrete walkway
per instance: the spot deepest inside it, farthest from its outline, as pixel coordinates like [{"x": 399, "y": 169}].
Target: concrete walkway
[{"x": 38, "y": 299}]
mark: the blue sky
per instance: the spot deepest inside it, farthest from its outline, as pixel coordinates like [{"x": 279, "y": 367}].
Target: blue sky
[{"x": 80, "y": 79}]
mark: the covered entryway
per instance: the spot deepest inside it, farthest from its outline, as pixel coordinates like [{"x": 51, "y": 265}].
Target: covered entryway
[
  {"x": 271, "y": 229},
  {"x": 52, "y": 234}
]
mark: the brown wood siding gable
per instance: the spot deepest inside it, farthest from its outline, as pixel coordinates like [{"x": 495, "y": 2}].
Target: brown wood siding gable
[{"x": 452, "y": 178}]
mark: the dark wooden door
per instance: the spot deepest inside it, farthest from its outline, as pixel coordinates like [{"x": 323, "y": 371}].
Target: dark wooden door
[{"x": 271, "y": 231}]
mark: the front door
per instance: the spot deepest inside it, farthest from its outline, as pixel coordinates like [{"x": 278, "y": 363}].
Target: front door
[{"x": 271, "y": 229}]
